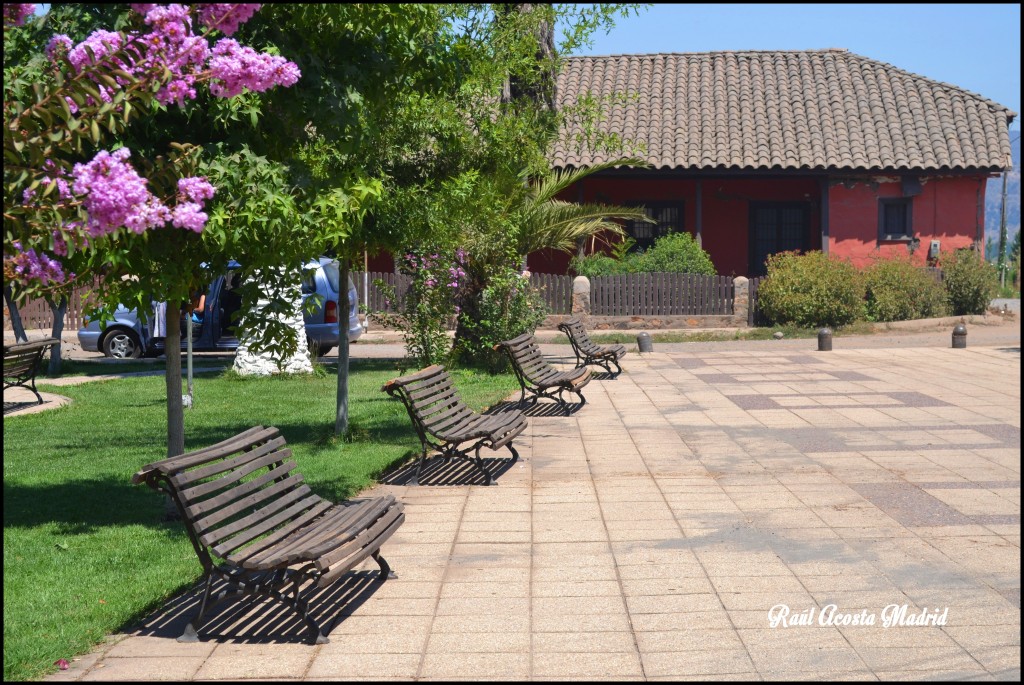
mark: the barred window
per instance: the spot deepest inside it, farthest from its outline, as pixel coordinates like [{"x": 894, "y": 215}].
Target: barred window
[
  {"x": 669, "y": 216},
  {"x": 895, "y": 218}
]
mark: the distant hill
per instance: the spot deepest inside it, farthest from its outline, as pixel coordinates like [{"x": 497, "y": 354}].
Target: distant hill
[{"x": 993, "y": 198}]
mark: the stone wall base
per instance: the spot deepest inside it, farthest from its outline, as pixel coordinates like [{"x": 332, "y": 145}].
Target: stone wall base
[{"x": 604, "y": 323}]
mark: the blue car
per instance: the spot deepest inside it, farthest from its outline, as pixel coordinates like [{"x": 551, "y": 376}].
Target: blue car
[{"x": 126, "y": 337}]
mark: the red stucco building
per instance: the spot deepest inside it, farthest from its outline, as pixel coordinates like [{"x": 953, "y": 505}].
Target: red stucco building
[{"x": 759, "y": 152}]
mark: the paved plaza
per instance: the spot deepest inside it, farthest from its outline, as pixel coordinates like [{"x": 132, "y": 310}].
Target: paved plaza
[{"x": 704, "y": 495}]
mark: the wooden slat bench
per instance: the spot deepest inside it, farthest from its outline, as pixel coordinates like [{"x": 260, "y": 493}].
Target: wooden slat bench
[
  {"x": 539, "y": 378},
  {"x": 256, "y": 526},
  {"x": 589, "y": 352},
  {"x": 21, "y": 363},
  {"x": 444, "y": 423}
]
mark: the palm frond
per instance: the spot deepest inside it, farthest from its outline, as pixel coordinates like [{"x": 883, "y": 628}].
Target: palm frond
[
  {"x": 548, "y": 188},
  {"x": 557, "y": 224}
]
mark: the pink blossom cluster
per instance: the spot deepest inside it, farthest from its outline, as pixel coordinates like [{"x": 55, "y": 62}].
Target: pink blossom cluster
[
  {"x": 59, "y": 46},
  {"x": 195, "y": 188},
  {"x": 226, "y": 17},
  {"x": 29, "y": 266},
  {"x": 172, "y": 45},
  {"x": 16, "y": 13},
  {"x": 115, "y": 195},
  {"x": 414, "y": 263},
  {"x": 51, "y": 173},
  {"x": 235, "y": 67},
  {"x": 101, "y": 43}
]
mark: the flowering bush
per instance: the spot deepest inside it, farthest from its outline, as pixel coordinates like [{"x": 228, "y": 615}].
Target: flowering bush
[
  {"x": 53, "y": 207},
  {"x": 427, "y": 309},
  {"x": 509, "y": 306}
]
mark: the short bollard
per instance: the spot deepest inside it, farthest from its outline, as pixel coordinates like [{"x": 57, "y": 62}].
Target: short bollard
[
  {"x": 643, "y": 342},
  {"x": 824, "y": 339},
  {"x": 959, "y": 336}
]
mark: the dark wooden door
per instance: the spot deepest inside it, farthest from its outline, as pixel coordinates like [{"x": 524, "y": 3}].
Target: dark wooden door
[{"x": 777, "y": 227}]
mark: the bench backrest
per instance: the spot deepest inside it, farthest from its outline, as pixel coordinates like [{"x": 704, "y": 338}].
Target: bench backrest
[
  {"x": 236, "y": 497},
  {"x": 578, "y": 335},
  {"x": 432, "y": 400},
  {"x": 527, "y": 359},
  {"x": 21, "y": 359}
]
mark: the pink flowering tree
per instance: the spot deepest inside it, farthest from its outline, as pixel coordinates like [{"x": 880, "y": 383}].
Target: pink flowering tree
[{"x": 78, "y": 204}]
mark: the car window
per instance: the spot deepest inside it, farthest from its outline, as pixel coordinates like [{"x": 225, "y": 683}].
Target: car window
[
  {"x": 333, "y": 275},
  {"x": 309, "y": 284}
]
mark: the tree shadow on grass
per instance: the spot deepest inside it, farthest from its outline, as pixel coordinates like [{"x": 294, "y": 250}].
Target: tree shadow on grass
[{"x": 82, "y": 506}]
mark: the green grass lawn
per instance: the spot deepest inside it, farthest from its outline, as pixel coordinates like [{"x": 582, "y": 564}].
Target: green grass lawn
[{"x": 87, "y": 554}]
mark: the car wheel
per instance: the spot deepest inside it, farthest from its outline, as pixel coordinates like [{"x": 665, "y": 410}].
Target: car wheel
[
  {"x": 324, "y": 351},
  {"x": 122, "y": 344}
]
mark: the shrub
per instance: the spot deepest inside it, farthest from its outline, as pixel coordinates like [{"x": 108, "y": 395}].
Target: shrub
[
  {"x": 673, "y": 253},
  {"x": 811, "y": 290},
  {"x": 596, "y": 264},
  {"x": 509, "y": 306},
  {"x": 896, "y": 289},
  {"x": 676, "y": 253},
  {"x": 970, "y": 282}
]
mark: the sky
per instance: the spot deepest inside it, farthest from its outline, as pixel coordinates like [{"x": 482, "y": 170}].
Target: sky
[{"x": 973, "y": 46}]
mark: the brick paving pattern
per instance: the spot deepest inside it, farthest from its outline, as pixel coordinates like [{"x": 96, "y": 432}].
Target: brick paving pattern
[{"x": 648, "y": 536}]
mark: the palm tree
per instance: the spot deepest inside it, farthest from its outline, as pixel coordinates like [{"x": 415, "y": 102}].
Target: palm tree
[
  {"x": 550, "y": 223},
  {"x": 538, "y": 220}
]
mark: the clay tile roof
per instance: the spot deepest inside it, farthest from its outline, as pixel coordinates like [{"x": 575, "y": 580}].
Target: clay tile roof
[{"x": 814, "y": 109}]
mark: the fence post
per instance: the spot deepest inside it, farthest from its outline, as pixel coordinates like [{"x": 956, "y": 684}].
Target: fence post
[
  {"x": 581, "y": 298},
  {"x": 740, "y": 300}
]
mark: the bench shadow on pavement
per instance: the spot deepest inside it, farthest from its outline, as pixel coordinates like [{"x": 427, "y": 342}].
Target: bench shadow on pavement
[
  {"x": 441, "y": 471},
  {"x": 260, "y": 620},
  {"x": 14, "y": 407}
]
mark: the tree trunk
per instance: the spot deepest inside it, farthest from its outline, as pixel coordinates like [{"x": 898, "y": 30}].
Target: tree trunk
[
  {"x": 540, "y": 89},
  {"x": 59, "y": 310},
  {"x": 175, "y": 410},
  {"x": 16, "y": 325},
  {"x": 175, "y": 407},
  {"x": 341, "y": 418}
]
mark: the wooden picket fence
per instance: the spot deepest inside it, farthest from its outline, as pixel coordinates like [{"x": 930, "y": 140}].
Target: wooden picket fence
[
  {"x": 661, "y": 294},
  {"x": 375, "y": 301},
  {"x": 754, "y": 315},
  {"x": 556, "y": 289},
  {"x": 36, "y": 313},
  {"x": 623, "y": 295}
]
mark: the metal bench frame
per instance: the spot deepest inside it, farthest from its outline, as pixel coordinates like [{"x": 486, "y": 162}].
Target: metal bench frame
[
  {"x": 21, "y": 363},
  {"x": 589, "y": 352},
  {"x": 538, "y": 378},
  {"x": 444, "y": 423},
  {"x": 241, "y": 505}
]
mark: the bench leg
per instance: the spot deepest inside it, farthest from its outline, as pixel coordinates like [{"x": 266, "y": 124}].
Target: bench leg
[
  {"x": 385, "y": 569},
  {"x": 257, "y": 587},
  {"x": 480, "y": 465},
  {"x": 191, "y": 633},
  {"x": 415, "y": 480}
]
